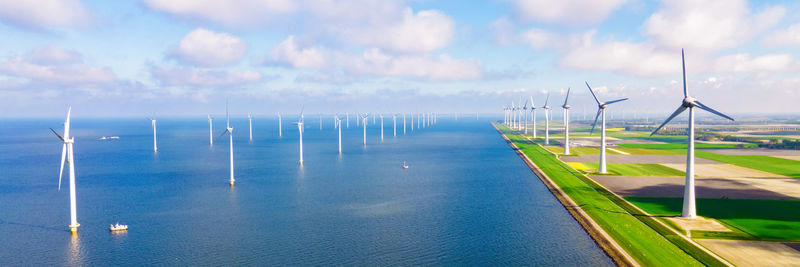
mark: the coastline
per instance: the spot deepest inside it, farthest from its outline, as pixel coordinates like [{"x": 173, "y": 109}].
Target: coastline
[{"x": 600, "y": 237}]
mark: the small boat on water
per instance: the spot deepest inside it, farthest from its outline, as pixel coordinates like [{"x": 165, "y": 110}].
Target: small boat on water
[
  {"x": 118, "y": 227},
  {"x": 109, "y": 137},
  {"x": 404, "y": 165}
]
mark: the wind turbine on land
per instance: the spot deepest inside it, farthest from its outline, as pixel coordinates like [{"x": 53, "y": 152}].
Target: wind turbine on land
[
  {"x": 364, "y": 122},
  {"x": 66, "y": 154},
  {"x": 533, "y": 116},
  {"x": 601, "y": 110},
  {"x": 300, "y": 129},
  {"x": 566, "y": 107},
  {"x": 155, "y": 142},
  {"x": 525, "y": 116},
  {"x": 547, "y": 120},
  {"x": 229, "y": 131},
  {"x": 689, "y": 206},
  {"x": 210, "y": 131}
]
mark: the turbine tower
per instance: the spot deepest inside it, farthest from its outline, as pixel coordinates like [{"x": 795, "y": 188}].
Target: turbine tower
[
  {"x": 394, "y": 125},
  {"x": 364, "y": 122},
  {"x": 381, "y": 127},
  {"x": 210, "y": 131},
  {"x": 250, "y": 120},
  {"x": 229, "y": 131},
  {"x": 338, "y": 124},
  {"x": 601, "y": 110},
  {"x": 155, "y": 142},
  {"x": 689, "y": 206},
  {"x": 280, "y": 127},
  {"x": 525, "y": 116},
  {"x": 566, "y": 107},
  {"x": 547, "y": 120},
  {"x": 533, "y": 117},
  {"x": 300, "y": 129},
  {"x": 347, "y": 114},
  {"x": 66, "y": 154}
]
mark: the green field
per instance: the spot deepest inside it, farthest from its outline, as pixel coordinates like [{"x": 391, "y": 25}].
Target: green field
[
  {"x": 680, "y": 146},
  {"x": 640, "y": 240},
  {"x": 579, "y": 150},
  {"x": 766, "y": 219},
  {"x": 775, "y": 165},
  {"x": 633, "y": 169}
]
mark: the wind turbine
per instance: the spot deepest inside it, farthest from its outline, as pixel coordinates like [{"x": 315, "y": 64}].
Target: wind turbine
[
  {"x": 381, "y": 127},
  {"x": 689, "y": 206},
  {"x": 525, "y": 116},
  {"x": 320, "y": 121},
  {"x": 250, "y": 119},
  {"x": 533, "y": 116},
  {"x": 229, "y": 131},
  {"x": 280, "y": 127},
  {"x": 601, "y": 109},
  {"x": 547, "y": 120},
  {"x": 210, "y": 131},
  {"x": 404, "y": 123},
  {"x": 155, "y": 142},
  {"x": 364, "y": 122},
  {"x": 300, "y": 128},
  {"x": 338, "y": 124},
  {"x": 66, "y": 154},
  {"x": 347, "y": 114},
  {"x": 394, "y": 123},
  {"x": 566, "y": 107}
]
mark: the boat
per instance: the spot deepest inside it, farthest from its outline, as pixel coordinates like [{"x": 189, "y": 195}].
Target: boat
[
  {"x": 118, "y": 227},
  {"x": 404, "y": 165},
  {"x": 109, "y": 137}
]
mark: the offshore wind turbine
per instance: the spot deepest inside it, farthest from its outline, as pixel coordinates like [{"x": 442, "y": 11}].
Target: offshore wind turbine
[
  {"x": 404, "y": 123},
  {"x": 547, "y": 120},
  {"x": 250, "y": 120},
  {"x": 66, "y": 155},
  {"x": 347, "y": 114},
  {"x": 155, "y": 142},
  {"x": 566, "y": 107},
  {"x": 300, "y": 128},
  {"x": 381, "y": 127},
  {"x": 229, "y": 131},
  {"x": 394, "y": 123},
  {"x": 280, "y": 127},
  {"x": 601, "y": 109},
  {"x": 689, "y": 205},
  {"x": 210, "y": 131},
  {"x": 364, "y": 122},
  {"x": 320, "y": 121}
]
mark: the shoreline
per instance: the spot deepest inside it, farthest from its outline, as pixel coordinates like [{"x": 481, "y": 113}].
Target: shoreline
[{"x": 612, "y": 249}]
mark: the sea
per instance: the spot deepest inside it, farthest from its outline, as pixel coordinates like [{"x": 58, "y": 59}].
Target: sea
[{"x": 466, "y": 198}]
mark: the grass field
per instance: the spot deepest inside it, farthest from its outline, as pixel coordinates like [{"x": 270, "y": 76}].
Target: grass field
[
  {"x": 679, "y": 146},
  {"x": 629, "y": 169},
  {"x": 643, "y": 243},
  {"x": 775, "y": 165},
  {"x": 766, "y": 219},
  {"x": 579, "y": 150}
]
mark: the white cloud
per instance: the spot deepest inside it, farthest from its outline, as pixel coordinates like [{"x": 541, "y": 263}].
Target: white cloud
[
  {"x": 633, "y": 58},
  {"x": 566, "y": 12},
  {"x": 760, "y": 64},
  {"x": 44, "y": 13},
  {"x": 427, "y": 30},
  {"x": 504, "y": 31},
  {"x": 56, "y": 66},
  {"x": 443, "y": 67},
  {"x": 783, "y": 37},
  {"x": 203, "y": 77},
  {"x": 229, "y": 12},
  {"x": 287, "y": 52},
  {"x": 207, "y": 48},
  {"x": 708, "y": 24}
]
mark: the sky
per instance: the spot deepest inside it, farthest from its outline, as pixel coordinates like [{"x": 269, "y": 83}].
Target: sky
[{"x": 186, "y": 57}]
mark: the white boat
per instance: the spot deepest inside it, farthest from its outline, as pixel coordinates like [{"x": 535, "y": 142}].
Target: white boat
[
  {"x": 118, "y": 227},
  {"x": 404, "y": 165},
  {"x": 109, "y": 137}
]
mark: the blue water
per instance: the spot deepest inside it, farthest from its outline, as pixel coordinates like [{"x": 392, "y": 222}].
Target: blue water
[{"x": 467, "y": 199}]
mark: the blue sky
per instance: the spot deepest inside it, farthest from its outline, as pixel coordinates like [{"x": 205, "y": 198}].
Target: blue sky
[{"x": 184, "y": 57}]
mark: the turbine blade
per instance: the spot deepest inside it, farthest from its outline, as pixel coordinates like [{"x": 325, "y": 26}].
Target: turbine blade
[
  {"x": 59, "y": 136},
  {"x": 547, "y": 100},
  {"x": 566, "y": 100},
  {"x": 674, "y": 114},
  {"x": 615, "y": 101},
  {"x": 707, "y": 108},
  {"x": 683, "y": 64},
  {"x": 533, "y": 106},
  {"x": 595, "y": 121},
  {"x": 63, "y": 158},
  {"x": 222, "y": 134},
  {"x": 592, "y": 91}
]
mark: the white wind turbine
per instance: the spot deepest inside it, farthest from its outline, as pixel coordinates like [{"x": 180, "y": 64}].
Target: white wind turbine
[
  {"x": 394, "y": 123},
  {"x": 280, "y": 127},
  {"x": 364, "y": 122},
  {"x": 229, "y": 131},
  {"x": 566, "y": 107},
  {"x": 347, "y": 114},
  {"x": 250, "y": 120},
  {"x": 381, "y": 127},
  {"x": 404, "y": 123},
  {"x": 155, "y": 142},
  {"x": 338, "y": 124},
  {"x": 547, "y": 119},
  {"x": 66, "y": 154},
  {"x": 533, "y": 117},
  {"x": 300, "y": 129},
  {"x": 601, "y": 110},
  {"x": 521, "y": 111},
  {"x": 320, "y": 121},
  {"x": 525, "y": 116},
  {"x": 689, "y": 206},
  {"x": 210, "y": 131}
]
